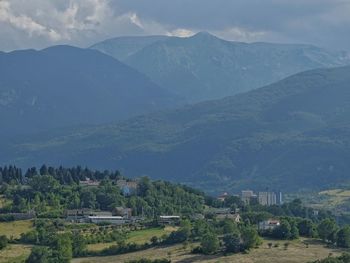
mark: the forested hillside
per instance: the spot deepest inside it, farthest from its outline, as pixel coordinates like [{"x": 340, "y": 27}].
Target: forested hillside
[
  {"x": 205, "y": 67},
  {"x": 67, "y": 86},
  {"x": 290, "y": 135}
]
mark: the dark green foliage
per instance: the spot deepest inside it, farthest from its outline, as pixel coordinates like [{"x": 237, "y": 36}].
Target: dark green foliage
[
  {"x": 78, "y": 245},
  {"x": 210, "y": 243},
  {"x": 39, "y": 255},
  {"x": 283, "y": 231},
  {"x": 250, "y": 238},
  {"x": 343, "y": 237},
  {"x": 232, "y": 242},
  {"x": 345, "y": 258},
  {"x": 307, "y": 228},
  {"x": 327, "y": 230},
  {"x": 3, "y": 242},
  {"x": 62, "y": 248},
  {"x": 59, "y": 190}
]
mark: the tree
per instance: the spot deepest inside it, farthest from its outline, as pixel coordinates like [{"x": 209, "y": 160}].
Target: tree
[
  {"x": 343, "y": 237},
  {"x": 327, "y": 230},
  {"x": 3, "y": 242},
  {"x": 283, "y": 231},
  {"x": 62, "y": 248},
  {"x": 210, "y": 243},
  {"x": 39, "y": 255},
  {"x": 232, "y": 242},
  {"x": 250, "y": 238},
  {"x": 78, "y": 245},
  {"x": 294, "y": 231},
  {"x": 307, "y": 228},
  {"x": 229, "y": 226}
]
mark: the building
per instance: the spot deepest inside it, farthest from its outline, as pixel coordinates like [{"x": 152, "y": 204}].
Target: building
[
  {"x": 235, "y": 217},
  {"x": 127, "y": 187},
  {"x": 279, "y": 198},
  {"x": 77, "y": 215},
  {"x": 247, "y": 196},
  {"x": 82, "y": 215},
  {"x": 223, "y": 197},
  {"x": 115, "y": 220},
  {"x": 268, "y": 225},
  {"x": 169, "y": 220},
  {"x": 123, "y": 212},
  {"x": 89, "y": 182},
  {"x": 267, "y": 198}
]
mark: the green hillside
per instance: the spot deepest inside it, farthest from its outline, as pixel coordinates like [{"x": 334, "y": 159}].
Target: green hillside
[
  {"x": 291, "y": 135},
  {"x": 205, "y": 67}
]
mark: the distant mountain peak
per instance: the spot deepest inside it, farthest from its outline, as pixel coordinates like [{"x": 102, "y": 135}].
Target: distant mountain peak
[{"x": 204, "y": 34}]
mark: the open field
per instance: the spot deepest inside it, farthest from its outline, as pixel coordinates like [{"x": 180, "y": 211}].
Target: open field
[
  {"x": 138, "y": 237},
  {"x": 14, "y": 253},
  {"x": 16, "y": 228},
  {"x": 297, "y": 252}
]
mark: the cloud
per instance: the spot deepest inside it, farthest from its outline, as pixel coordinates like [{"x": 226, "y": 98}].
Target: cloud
[
  {"x": 39, "y": 23},
  {"x": 181, "y": 32},
  {"x": 25, "y": 23},
  {"x": 240, "y": 34}
]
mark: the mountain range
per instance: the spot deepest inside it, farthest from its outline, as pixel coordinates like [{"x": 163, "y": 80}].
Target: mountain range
[
  {"x": 290, "y": 135},
  {"x": 64, "y": 86},
  {"x": 205, "y": 67}
]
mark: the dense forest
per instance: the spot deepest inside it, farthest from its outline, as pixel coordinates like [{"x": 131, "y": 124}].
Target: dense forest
[{"x": 49, "y": 191}]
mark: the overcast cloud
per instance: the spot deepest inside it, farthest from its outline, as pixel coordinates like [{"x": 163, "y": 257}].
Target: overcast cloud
[{"x": 40, "y": 23}]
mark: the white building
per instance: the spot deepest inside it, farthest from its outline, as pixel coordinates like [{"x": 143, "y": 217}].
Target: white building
[
  {"x": 115, "y": 220},
  {"x": 269, "y": 224}
]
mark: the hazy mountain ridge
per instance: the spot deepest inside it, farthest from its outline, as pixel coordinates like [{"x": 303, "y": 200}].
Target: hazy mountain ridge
[
  {"x": 204, "y": 67},
  {"x": 62, "y": 85},
  {"x": 292, "y": 134}
]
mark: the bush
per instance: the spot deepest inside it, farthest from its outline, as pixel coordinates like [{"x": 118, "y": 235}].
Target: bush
[{"x": 3, "y": 242}]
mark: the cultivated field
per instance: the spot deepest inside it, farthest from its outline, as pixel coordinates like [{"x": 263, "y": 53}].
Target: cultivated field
[
  {"x": 14, "y": 253},
  {"x": 297, "y": 252},
  {"x": 138, "y": 237},
  {"x": 16, "y": 228}
]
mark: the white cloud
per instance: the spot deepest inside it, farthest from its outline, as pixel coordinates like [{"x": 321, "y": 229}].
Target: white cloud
[
  {"x": 181, "y": 32},
  {"x": 25, "y": 23},
  {"x": 240, "y": 34}
]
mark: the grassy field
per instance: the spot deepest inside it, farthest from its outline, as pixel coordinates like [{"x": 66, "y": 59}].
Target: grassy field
[
  {"x": 14, "y": 253},
  {"x": 3, "y": 201},
  {"x": 297, "y": 252},
  {"x": 16, "y": 228},
  {"x": 138, "y": 237}
]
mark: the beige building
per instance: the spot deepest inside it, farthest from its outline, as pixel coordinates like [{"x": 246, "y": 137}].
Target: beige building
[{"x": 267, "y": 198}]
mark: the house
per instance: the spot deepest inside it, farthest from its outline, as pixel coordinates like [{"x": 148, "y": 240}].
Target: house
[
  {"x": 269, "y": 225},
  {"x": 115, "y": 220},
  {"x": 235, "y": 217},
  {"x": 123, "y": 212},
  {"x": 169, "y": 220},
  {"x": 127, "y": 187},
  {"x": 222, "y": 197},
  {"x": 89, "y": 182}
]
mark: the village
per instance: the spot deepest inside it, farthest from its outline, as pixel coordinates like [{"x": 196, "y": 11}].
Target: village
[{"x": 120, "y": 216}]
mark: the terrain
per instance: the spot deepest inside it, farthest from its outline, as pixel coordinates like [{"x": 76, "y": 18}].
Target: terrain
[
  {"x": 296, "y": 253},
  {"x": 67, "y": 86},
  {"x": 291, "y": 135},
  {"x": 204, "y": 67}
]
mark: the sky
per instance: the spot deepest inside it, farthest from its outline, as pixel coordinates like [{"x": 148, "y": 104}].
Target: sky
[{"x": 41, "y": 23}]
